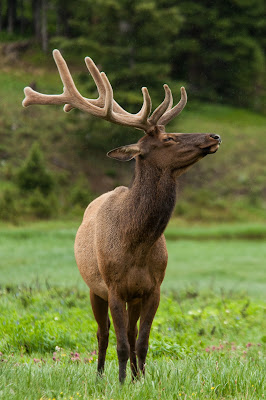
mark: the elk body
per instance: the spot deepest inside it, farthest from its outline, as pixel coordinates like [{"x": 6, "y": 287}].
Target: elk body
[{"x": 120, "y": 248}]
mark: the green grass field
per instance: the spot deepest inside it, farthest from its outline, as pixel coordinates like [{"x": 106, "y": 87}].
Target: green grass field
[
  {"x": 43, "y": 253},
  {"x": 201, "y": 346},
  {"x": 208, "y": 336}
]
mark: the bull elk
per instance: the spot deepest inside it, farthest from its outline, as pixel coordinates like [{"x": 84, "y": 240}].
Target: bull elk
[{"x": 120, "y": 248}]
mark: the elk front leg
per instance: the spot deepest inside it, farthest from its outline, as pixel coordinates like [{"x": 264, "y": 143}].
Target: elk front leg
[
  {"x": 148, "y": 310},
  {"x": 132, "y": 331},
  {"x": 120, "y": 320},
  {"x": 100, "y": 311}
]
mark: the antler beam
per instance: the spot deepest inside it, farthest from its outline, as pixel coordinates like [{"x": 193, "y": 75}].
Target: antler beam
[{"x": 105, "y": 106}]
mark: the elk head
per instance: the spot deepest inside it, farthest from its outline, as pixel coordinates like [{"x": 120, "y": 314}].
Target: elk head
[{"x": 175, "y": 152}]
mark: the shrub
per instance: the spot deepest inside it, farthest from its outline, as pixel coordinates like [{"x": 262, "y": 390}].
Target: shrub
[
  {"x": 81, "y": 194},
  {"x": 33, "y": 173},
  {"x": 8, "y": 205},
  {"x": 41, "y": 206}
]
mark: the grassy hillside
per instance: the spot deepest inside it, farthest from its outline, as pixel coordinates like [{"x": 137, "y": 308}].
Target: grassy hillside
[
  {"x": 232, "y": 183},
  {"x": 229, "y": 185}
]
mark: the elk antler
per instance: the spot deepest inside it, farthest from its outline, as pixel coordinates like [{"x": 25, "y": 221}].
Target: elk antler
[{"x": 105, "y": 106}]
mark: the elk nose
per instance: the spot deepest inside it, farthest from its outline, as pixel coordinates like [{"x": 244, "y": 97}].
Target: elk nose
[{"x": 217, "y": 137}]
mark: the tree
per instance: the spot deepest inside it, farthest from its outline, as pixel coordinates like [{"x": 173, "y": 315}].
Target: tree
[
  {"x": 36, "y": 18},
  {"x": 12, "y": 13},
  {"x": 44, "y": 33}
]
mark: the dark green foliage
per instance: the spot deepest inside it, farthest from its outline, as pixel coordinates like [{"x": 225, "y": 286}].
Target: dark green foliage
[
  {"x": 15, "y": 206},
  {"x": 33, "y": 173},
  {"x": 41, "y": 206},
  {"x": 222, "y": 47},
  {"x": 81, "y": 194},
  {"x": 8, "y": 205},
  {"x": 218, "y": 48},
  {"x": 31, "y": 193}
]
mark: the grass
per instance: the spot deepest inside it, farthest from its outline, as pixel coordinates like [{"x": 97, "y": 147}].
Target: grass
[
  {"x": 208, "y": 377},
  {"x": 205, "y": 346},
  {"x": 248, "y": 231},
  {"x": 207, "y": 340},
  {"x": 44, "y": 253},
  {"x": 236, "y": 265}
]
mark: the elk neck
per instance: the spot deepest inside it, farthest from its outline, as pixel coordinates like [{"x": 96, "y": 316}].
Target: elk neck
[{"x": 150, "y": 202}]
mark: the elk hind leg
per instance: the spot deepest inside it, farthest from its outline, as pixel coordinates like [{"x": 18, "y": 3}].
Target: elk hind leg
[
  {"x": 100, "y": 311},
  {"x": 132, "y": 332}
]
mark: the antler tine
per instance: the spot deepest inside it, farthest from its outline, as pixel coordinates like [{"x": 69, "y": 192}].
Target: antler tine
[
  {"x": 123, "y": 117},
  {"x": 146, "y": 106},
  {"x": 109, "y": 97},
  {"x": 172, "y": 113},
  {"x": 98, "y": 79},
  {"x": 103, "y": 85},
  {"x": 96, "y": 75},
  {"x": 70, "y": 90},
  {"x": 161, "y": 109},
  {"x": 66, "y": 78},
  {"x": 171, "y": 101},
  {"x": 75, "y": 99}
]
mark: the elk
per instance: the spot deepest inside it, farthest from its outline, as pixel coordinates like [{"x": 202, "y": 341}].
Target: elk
[{"x": 120, "y": 248}]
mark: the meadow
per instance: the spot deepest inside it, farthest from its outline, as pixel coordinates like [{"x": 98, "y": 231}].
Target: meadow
[{"x": 207, "y": 340}]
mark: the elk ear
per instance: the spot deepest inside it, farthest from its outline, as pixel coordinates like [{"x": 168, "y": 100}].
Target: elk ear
[{"x": 125, "y": 153}]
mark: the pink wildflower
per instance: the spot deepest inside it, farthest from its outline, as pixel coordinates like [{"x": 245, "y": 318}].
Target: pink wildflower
[{"x": 75, "y": 357}]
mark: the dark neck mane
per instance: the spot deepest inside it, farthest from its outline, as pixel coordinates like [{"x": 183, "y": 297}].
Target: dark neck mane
[{"x": 150, "y": 203}]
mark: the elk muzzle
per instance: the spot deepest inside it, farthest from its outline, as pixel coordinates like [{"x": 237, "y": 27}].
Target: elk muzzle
[{"x": 212, "y": 144}]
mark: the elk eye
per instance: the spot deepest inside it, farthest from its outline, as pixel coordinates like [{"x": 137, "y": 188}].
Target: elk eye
[{"x": 168, "y": 139}]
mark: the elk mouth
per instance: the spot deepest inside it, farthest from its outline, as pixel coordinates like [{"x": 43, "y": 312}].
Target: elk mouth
[{"x": 211, "y": 148}]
